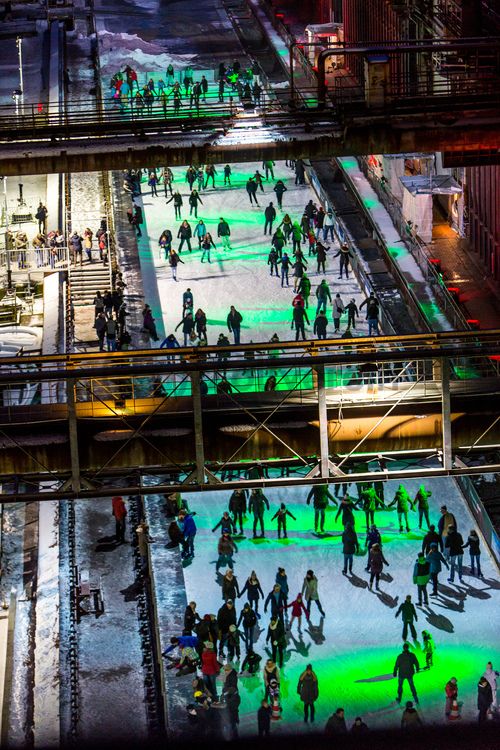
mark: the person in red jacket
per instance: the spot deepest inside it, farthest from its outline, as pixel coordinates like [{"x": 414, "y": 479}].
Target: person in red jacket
[
  {"x": 297, "y": 607},
  {"x": 120, "y": 514},
  {"x": 210, "y": 668}
]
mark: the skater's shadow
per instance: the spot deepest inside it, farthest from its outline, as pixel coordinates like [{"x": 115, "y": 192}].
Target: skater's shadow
[
  {"x": 439, "y": 621},
  {"x": 492, "y": 583},
  {"x": 186, "y": 562},
  {"x": 477, "y": 593},
  {"x": 131, "y": 593},
  {"x": 453, "y": 593},
  {"x": 387, "y": 599},
  {"x": 450, "y": 604},
  {"x": 386, "y": 577},
  {"x": 316, "y": 632},
  {"x": 378, "y": 678},
  {"x": 300, "y": 646},
  {"x": 106, "y": 544},
  {"x": 358, "y": 582}
]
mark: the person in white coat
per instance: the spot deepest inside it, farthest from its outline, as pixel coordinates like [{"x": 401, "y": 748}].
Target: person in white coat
[
  {"x": 338, "y": 308},
  {"x": 491, "y": 675}
]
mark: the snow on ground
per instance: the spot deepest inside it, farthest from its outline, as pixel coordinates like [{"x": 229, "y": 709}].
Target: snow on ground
[
  {"x": 119, "y": 49},
  {"x": 353, "y": 649},
  {"x": 239, "y": 276}
]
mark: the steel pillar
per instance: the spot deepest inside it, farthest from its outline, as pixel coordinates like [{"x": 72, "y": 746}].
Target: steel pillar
[
  {"x": 446, "y": 414},
  {"x": 73, "y": 436},
  {"x": 323, "y": 423}
]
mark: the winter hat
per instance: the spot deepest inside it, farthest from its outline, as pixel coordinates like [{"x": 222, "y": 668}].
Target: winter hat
[
  {"x": 232, "y": 628},
  {"x": 229, "y": 601},
  {"x": 409, "y": 704},
  {"x": 434, "y": 544},
  {"x": 208, "y": 644}
]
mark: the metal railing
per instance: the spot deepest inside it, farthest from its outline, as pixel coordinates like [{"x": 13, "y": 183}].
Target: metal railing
[{"x": 39, "y": 259}]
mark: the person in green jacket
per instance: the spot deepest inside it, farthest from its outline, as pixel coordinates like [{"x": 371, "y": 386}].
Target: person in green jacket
[
  {"x": 421, "y": 576},
  {"x": 305, "y": 289},
  {"x": 402, "y": 499},
  {"x": 370, "y": 502},
  {"x": 256, "y": 506},
  {"x": 409, "y": 615},
  {"x": 320, "y": 495},
  {"x": 422, "y": 501}
]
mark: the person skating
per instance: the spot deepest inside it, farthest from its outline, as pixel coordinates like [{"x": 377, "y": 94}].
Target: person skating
[
  {"x": 177, "y": 200},
  {"x": 277, "y": 601},
  {"x": 258, "y": 501},
  {"x": 455, "y": 544},
  {"x": 310, "y": 592},
  {"x": 173, "y": 261},
  {"x": 405, "y": 667},
  {"x": 299, "y": 268},
  {"x": 297, "y": 607},
  {"x": 346, "y": 510},
  {"x": 233, "y": 643},
  {"x": 323, "y": 296},
  {"x": 359, "y": 726},
  {"x": 402, "y": 501},
  {"x": 210, "y": 668},
  {"x": 165, "y": 242},
  {"x": 264, "y": 719},
  {"x": 234, "y": 320},
  {"x": 249, "y": 620},
  {"x": 188, "y": 325},
  {"x": 268, "y": 167},
  {"x": 376, "y": 562},
  {"x": 238, "y": 507},
  {"x": 258, "y": 179},
  {"x": 409, "y": 616},
  {"x": 410, "y": 718},
  {"x": 451, "y": 692},
  {"x": 184, "y": 234},
  {"x": 282, "y": 580},
  {"x": 191, "y": 617},
  {"x": 189, "y": 530},
  {"x": 119, "y": 512},
  {"x": 168, "y": 178},
  {"x": 251, "y": 188},
  {"x": 428, "y": 648},
  {"x": 491, "y": 675},
  {"x": 272, "y": 261},
  {"x": 187, "y": 302},
  {"x": 280, "y": 189},
  {"x": 430, "y": 538},
  {"x": 422, "y": 502},
  {"x": 224, "y": 232},
  {"x": 285, "y": 268},
  {"x": 484, "y": 699},
  {"x": 230, "y": 588},
  {"x": 435, "y": 558},
  {"x": 345, "y": 255},
  {"x": 370, "y": 501},
  {"x": 206, "y": 244},
  {"x": 308, "y": 690},
  {"x": 296, "y": 236},
  {"x": 226, "y": 616},
  {"x": 227, "y": 175},
  {"x": 352, "y": 313},
  {"x": 337, "y": 311},
  {"x": 281, "y": 515},
  {"x": 298, "y": 316},
  {"x": 276, "y": 637},
  {"x": 194, "y": 200},
  {"x": 305, "y": 289},
  {"x": 421, "y": 576},
  {"x": 225, "y": 548},
  {"x": 254, "y": 591},
  {"x": 320, "y": 325},
  {"x": 251, "y": 662},
  {"x": 447, "y": 519},
  {"x": 350, "y": 547},
  {"x": 210, "y": 173},
  {"x": 256, "y": 93},
  {"x": 475, "y": 553},
  {"x": 372, "y": 537},
  {"x": 336, "y": 724},
  {"x": 271, "y": 673}
]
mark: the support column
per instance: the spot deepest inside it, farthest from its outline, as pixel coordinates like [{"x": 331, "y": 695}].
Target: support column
[
  {"x": 323, "y": 423},
  {"x": 446, "y": 414},
  {"x": 198, "y": 428},
  {"x": 73, "y": 436}
]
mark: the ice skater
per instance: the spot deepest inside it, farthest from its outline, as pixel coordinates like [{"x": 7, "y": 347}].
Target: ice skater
[
  {"x": 248, "y": 618},
  {"x": 451, "y": 692},
  {"x": 429, "y": 648},
  {"x": 370, "y": 501},
  {"x": 409, "y": 616},
  {"x": 320, "y": 495},
  {"x": 308, "y": 691},
  {"x": 281, "y": 515},
  {"x": 254, "y": 591},
  {"x": 297, "y": 607},
  {"x": 405, "y": 668},
  {"x": 376, "y": 562},
  {"x": 475, "y": 553},
  {"x": 421, "y": 576},
  {"x": 310, "y": 592},
  {"x": 276, "y": 600},
  {"x": 276, "y": 637},
  {"x": 238, "y": 508},
  {"x": 435, "y": 558},
  {"x": 225, "y": 548},
  {"x": 258, "y": 501},
  {"x": 490, "y": 676},
  {"x": 350, "y": 546},
  {"x": 422, "y": 502},
  {"x": 402, "y": 501}
]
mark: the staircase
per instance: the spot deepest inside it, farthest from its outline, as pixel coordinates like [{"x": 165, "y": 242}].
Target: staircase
[{"x": 86, "y": 281}]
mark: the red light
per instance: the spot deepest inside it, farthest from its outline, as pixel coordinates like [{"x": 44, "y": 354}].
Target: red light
[
  {"x": 436, "y": 263},
  {"x": 281, "y": 16},
  {"x": 474, "y": 324},
  {"x": 454, "y": 291}
]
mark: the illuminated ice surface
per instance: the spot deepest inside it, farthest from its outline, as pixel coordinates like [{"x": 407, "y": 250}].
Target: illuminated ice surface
[
  {"x": 354, "y": 648},
  {"x": 239, "y": 276}
]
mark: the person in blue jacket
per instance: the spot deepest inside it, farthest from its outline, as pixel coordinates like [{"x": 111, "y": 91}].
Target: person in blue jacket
[{"x": 189, "y": 533}]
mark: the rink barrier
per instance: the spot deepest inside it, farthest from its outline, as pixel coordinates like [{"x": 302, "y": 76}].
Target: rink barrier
[{"x": 481, "y": 516}]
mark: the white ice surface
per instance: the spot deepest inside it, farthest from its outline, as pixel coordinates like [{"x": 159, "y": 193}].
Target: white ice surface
[
  {"x": 361, "y": 637},
  {"x": 239, "y": 276}
]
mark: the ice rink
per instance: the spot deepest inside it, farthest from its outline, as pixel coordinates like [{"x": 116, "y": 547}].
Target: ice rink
[
  {"x": 353, "y": 649},
  {"x": 239, "y": 276}
]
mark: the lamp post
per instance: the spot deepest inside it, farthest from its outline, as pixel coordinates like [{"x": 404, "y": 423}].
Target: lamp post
[
  {"x": 7, "y": 248},
  {"x": 19, "y": 45}
]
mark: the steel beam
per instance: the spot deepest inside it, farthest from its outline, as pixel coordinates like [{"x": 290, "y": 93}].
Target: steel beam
[{"x": 446, "y": 414}]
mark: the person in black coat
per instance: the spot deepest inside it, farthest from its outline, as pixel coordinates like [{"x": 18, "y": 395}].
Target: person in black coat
[
  {"x": 454, "y": 544},
  {"x": 475, "y": 553},
  {"x": 350, "y": 546},
  {"x": 226, "y": 616},
  {"x": 405, "y": 667},
  {"x": 279, "y": 189},
  {"x": 320, "y": 325},
  {"x": 431, "y": 537},
  {"x": 270, "y": 216},
  {"x": 264, "y": 719},
  {"x": 277, "y": 601},
  {"x": 191, "y": 617},
  {"x": 249, "y": 620},
  {"x": 484, "y": 699},
  {"x": 238, "y": 507}
]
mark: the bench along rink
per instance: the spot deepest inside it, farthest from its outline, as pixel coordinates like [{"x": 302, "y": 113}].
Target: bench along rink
[{"x": 353, "y": 649}]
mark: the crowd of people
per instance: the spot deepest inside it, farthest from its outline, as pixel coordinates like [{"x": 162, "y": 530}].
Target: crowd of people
[
  {"x": 176, "y": 91},
  {"x": 219, "y": 648},
  {"x": 297, "y": 247}
]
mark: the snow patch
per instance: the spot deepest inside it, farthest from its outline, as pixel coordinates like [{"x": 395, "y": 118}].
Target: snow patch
[{"x": 119, "y": 50}]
